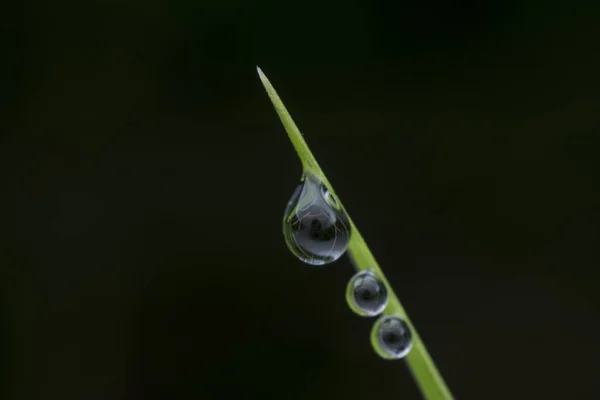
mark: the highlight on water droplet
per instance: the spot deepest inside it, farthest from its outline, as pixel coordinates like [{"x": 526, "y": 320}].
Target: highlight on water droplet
[
  {"x": 366, "y": 295},
  {"x": 315, "y": 227},
  {"x": 391, "y": 337}
]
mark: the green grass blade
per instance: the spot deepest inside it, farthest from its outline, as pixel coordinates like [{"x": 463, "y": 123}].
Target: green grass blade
[{"x": 423, "y": 369}]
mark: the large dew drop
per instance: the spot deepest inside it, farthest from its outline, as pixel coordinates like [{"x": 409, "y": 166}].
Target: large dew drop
[
  {"x": 391, "y": 338},
  {"x": 366, "y": 295},
  {"x": 315, "y": 227}
]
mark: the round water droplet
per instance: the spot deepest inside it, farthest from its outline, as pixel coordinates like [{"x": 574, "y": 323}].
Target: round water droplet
[
  {"x": 391, "y": 338},
  {"x": 315, "y": 227},
  {"x": 366, "y": 295}
]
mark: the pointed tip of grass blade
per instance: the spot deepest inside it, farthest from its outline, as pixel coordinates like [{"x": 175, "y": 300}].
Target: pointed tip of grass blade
[
  {"x": 308, "y": 160},
  {"x": 265, "y": 82}
]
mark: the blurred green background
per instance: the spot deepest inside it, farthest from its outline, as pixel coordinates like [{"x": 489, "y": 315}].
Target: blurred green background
[{"x": 144, "y": 175}]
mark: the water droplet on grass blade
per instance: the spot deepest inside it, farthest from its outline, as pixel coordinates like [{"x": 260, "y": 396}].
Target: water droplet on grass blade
[
  {"x": 366, "y": 295},
  {"x": 391, "y": 338},
  {"x": 315, "y": 227}
]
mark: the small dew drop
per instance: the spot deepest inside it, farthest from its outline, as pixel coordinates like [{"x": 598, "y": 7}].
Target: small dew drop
[
  {"x": 391, "y": 338},
  {"x": 366, "y": 295},
  {"x": 315, "y": 227}
]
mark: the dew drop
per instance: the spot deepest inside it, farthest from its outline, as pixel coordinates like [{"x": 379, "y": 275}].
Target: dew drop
[
  {"x": 366, "y": 295},
  {"x": 391, "y": 337},
  {"x": 315, "y": 227}
]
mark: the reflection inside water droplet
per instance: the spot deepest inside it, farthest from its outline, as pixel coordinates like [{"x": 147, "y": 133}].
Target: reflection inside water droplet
[
  {"x": 391, "y": 338},
  {"x": 366, "y": 295},
  {"x": 315, "y": 227}
]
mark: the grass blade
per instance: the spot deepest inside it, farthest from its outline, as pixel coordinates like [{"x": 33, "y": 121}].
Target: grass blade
[{"x": 422, "y": 367}]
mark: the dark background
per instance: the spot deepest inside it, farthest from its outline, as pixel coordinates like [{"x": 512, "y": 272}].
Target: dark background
[{"x": 144, "y": 175}]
